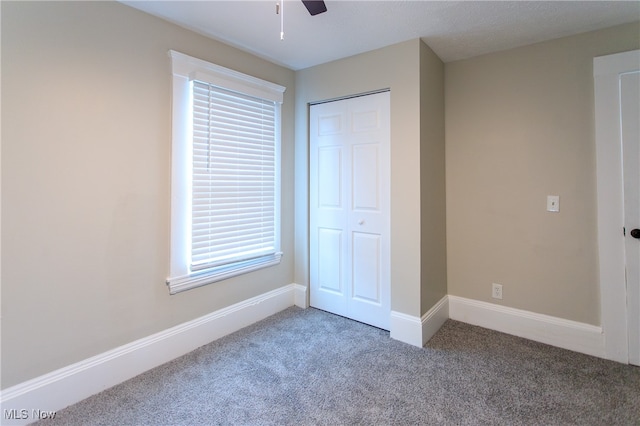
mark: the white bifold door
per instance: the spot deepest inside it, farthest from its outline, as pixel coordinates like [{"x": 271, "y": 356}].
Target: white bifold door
[{"x": 349, "y": 208}]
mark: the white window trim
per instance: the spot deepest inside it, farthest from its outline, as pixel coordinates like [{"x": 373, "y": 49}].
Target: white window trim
[{"x": 185, "y": 69}]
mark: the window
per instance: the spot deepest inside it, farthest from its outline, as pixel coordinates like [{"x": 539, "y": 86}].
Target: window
[{"x": 225, "y": 182}]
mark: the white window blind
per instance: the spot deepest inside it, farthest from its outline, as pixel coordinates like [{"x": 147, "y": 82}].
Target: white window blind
[{"x": 234, "y": 208}]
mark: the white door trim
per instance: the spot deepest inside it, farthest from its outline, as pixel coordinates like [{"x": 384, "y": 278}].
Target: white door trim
[{"x": 606, "y": 70}]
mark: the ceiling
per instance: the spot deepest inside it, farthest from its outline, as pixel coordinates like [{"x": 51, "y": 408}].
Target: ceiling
[{"x": 453, "y": 29}]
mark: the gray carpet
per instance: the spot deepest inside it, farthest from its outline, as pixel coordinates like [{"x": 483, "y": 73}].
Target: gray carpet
[{"x": 308, "y": 367}]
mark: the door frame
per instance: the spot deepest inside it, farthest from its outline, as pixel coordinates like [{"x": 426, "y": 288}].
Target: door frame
[{"x": 611, "y": 240}]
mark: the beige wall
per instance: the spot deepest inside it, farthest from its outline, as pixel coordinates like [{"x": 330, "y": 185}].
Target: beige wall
[
  {"x": 519, "y": 127},
  {"x": 395, "y": 67},
  {"x": 86, "y": 148},
  {"x": 433, "y": 236}
]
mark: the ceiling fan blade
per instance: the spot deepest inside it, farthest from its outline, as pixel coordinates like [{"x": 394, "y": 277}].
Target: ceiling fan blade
[{"x": 315, "y": 6}]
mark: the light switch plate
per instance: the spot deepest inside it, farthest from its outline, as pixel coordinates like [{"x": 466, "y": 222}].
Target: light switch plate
[{"x": 553, "y": 203}]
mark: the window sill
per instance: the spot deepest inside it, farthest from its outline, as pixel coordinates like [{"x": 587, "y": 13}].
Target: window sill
[{"x": 201, "y": 278}]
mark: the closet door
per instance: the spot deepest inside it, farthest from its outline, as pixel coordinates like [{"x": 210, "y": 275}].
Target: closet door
[{"x": 349, "y": 208}]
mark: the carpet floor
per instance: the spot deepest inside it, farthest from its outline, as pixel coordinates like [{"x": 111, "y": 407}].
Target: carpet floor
[{"x": 309, "y": 367}]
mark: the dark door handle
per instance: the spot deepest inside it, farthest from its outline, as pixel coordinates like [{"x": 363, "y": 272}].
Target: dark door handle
[{"x": 635, "y": 233}]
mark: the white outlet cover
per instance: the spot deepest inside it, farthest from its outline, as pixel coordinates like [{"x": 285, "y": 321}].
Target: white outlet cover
[
  {"x": 553, "y": 203},
  {"x": 496, "y": 291}
]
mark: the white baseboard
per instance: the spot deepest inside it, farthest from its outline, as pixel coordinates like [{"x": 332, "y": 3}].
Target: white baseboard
[
  {"x": 406, "y": 328},
  {"x": 300, "y": 298},
  {"x": 576, "y": 336},
  {"x": 579, "y": 337},
  {"x": 71, "y": 384},
  {"x": 434, "y": 319},
  {"x": 417, "y": 331}
]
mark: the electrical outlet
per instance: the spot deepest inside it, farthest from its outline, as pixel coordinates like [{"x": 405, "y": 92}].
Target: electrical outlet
[{"x": 496, "y": 291}]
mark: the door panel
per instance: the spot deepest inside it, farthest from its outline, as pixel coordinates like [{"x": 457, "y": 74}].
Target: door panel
[
  {"x": 365, "y": 121},
  {"x": 366, "y": 188},
  {"x": 330, "y": 174},
  {"x": 327, "y": 202},
  {"x": 330, "y": 124},
  {"x": 330, "y": 255},
  {"x": 366, "y": 268},
  {"x": 349, "y": 208}
]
